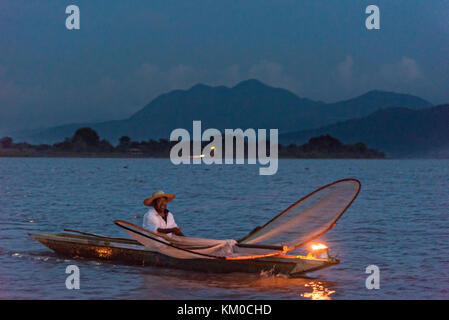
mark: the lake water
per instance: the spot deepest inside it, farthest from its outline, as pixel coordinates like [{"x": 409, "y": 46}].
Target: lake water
[{"x": 399, "y": 222}]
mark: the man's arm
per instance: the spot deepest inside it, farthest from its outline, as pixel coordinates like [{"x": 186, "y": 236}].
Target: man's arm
[
  {"x": 171, "y": 221},
  {"x": 176, "y": 231}
]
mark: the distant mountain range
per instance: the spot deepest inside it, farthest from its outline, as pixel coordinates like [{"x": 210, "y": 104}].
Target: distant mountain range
[
  {"x": 249, "y": 104},
  {"x": 396, "y": 131}
]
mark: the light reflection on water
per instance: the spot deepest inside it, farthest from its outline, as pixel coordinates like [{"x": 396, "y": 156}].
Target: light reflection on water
[
  {"x": 261, "y": 286},
  {"x": 319, "y": 291},
  {"x": 398, "y": 220}
]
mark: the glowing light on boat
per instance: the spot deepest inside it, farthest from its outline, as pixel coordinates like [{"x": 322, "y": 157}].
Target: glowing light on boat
[
  {"x": 318, "y": 246},
  {"x": 103, "y": 252},
  {"x": 319, "y": 251}
]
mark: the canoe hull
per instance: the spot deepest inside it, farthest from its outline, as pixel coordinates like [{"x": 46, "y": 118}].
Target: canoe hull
[{"x": 131, "y": 252}]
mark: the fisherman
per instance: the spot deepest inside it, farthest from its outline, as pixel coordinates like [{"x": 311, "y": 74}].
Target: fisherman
[{"x": 158, "y": 218}]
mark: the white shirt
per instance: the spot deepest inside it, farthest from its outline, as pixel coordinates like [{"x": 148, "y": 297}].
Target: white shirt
[{"x": 153, "y": 220}]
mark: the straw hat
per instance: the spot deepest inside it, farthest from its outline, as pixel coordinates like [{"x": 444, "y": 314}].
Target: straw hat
[{"x": 156, "y": 195}]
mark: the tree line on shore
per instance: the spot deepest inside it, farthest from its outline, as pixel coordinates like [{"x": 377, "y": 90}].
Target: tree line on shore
[{"x": 87, "y": 141}]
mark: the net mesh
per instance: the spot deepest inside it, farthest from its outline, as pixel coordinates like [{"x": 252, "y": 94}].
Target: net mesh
[{"x": 308, "y": 218}]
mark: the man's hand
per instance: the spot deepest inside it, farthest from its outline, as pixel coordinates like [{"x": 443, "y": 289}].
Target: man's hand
[{"x": 178, "y": 232}]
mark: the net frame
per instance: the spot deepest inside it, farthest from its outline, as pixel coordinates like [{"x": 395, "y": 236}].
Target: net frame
[{"x": 331, "y": 224}]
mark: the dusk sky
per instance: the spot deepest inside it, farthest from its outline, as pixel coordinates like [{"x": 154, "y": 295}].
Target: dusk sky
[{"x": 128, "y": 52}]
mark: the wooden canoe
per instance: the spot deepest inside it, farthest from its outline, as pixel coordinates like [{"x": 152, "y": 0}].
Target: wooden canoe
[{"x": 129, "y": 251}]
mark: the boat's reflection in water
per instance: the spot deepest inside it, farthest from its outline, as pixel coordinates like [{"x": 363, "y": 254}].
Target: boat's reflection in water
[
  {"x": 193, "y": 285},
  {"x": 136, "y": 282}
]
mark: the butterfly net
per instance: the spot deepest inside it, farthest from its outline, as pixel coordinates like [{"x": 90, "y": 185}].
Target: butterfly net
[{"x": 308, "y": 218}]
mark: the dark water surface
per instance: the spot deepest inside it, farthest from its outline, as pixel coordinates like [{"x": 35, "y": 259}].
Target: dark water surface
[{"x": 399, "y": 222}]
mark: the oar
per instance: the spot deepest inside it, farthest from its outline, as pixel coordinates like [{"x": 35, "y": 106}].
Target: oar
[
  {"x": 97, "y": 235},
  {"x": 242, "y": 245},
  {"x": 85, "y": 233},
  {"x": 259, "y": 246}
]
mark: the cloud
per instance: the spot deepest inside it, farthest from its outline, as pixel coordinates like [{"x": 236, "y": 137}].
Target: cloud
[
  {"x": 272, "y": 73},
  {"x": 231, "y": 75},
  {"x": 148, "y": 81},
  {"x": 182, "y": 76},
  {"x": 344, "y": 69},
  {"x": 405, "y": 70},
  {"x": 350, "y": 78},
  {"x": 343, "y": 78},
  {"x": 127, "y": 94}
]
